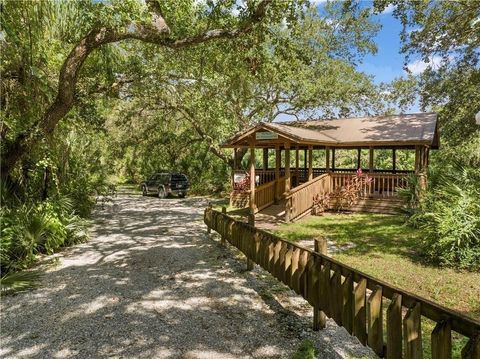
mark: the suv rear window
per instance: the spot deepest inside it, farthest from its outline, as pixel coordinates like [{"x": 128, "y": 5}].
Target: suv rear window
[{"x": 176, "y": 177}]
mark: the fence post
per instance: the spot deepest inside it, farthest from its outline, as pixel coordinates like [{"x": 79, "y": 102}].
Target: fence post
[
  {"x": 209, "y": 208},
  {"x": 222, "y": 239},
  {"x": 319, "y": 317},
  {"x": 251, "y": 221}
]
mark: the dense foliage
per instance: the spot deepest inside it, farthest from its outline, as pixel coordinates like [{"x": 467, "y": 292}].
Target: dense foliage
[
  {"x": 446, "y": 36},
  {"x": 96, "y": 93},
  {"x": 449, "y": 211}
]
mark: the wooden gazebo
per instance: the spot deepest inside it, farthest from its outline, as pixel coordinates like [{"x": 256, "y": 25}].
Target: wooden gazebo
[{"x": 294, "y": 187}]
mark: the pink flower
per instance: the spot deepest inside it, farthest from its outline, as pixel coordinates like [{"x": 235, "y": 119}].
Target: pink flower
[{"x": 359, "y": 172}]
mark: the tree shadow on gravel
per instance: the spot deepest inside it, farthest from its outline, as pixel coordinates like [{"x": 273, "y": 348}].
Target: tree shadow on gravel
[{"x": 150, "y": 284}]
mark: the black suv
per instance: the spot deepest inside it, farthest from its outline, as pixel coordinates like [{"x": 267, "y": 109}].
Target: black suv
[{"x": 164, "y": 184}]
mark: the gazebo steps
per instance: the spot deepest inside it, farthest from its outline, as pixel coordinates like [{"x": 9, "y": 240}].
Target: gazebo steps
[{"x": 378, "y": 205}]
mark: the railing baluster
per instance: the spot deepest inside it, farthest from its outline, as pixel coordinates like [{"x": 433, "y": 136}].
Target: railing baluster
[
  {"x": 472, "y": 349},
  {"x": 375, "y": 321},
  {"x": 394, "y": 328},
  {"x": 347, "y": 310},
  {"x": 442, "y": 340},
  {"x": 412, "y": 333},
  {"x": 360, "y": 311},
  {"x": 337, "y": 296}
]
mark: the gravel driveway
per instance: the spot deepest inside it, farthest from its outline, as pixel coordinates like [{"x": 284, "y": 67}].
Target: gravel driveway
[{"x": 151, "y": 284}]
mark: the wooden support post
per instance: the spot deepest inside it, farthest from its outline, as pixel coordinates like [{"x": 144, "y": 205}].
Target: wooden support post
[
  {"x": 359, "y": 158},
  {"x": 252, "y": 177},
  {"x": 394, "y": 160},
  {"x": 234, "y": 167},
  {"x": 287, "y": 168},
  {"x": 278, "y": 161},
  {"x": 222, "y": 238},
  {"x": 333, "y": 159},
  {"x": 310, "y": 163},
  {"x": 327, "y": 159},
  {"x": 371, "y": 166},
  {"x": 305, "y": 165},
  {"x": 251, "y": 221},
  {"x": 417, "y": 160},
  {"x": 319, "y": 316},
  {"x": 265, "y": 159},
  {"x": 297, "y": 164},
  {"x": 209, "y": 230}
]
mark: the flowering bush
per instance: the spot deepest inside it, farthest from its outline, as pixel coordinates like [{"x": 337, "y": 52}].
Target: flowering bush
[{"x": 347, "y": 195}]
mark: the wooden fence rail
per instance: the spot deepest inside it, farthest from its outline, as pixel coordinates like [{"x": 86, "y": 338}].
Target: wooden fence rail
[{"x": 341, "y": 293}]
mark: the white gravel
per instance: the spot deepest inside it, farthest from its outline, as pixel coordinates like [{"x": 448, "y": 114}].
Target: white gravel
[{"x": 151, "y": 284}]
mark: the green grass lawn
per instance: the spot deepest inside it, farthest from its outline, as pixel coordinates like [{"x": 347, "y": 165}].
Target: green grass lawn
[{"x": 384, "y": 247}]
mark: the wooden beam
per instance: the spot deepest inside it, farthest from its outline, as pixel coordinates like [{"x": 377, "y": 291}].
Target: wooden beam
[
  {"x": 327, "y": 159},
  {"x": 333, "y": 159},
  {"x": 305, "y": 160},
  {"x": 287, "y": 168},
  {"x": 359, "y": 157},
  {"x": 265, "y": 159},
  {"x": 252, "y": 177},
  {"x": 394, "y": 160},
  {"x": 278, "y": 161},
  {"x": 417, "y": 159},
  {"x": 297, "y": 164},
  {"x": 310, "y": 163},
  {"x": 234, "y": 167}
]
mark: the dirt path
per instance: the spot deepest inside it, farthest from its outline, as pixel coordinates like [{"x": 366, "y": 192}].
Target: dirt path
[{"x": 151, "y": 284}]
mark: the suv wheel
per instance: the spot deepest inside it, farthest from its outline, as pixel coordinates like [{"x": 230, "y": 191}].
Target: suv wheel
[
  {"x": 161, "y": 192},
  {"x": 144, "y": 191}
]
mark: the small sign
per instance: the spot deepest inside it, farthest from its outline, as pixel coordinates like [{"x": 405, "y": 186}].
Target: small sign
[{"x": 265, "y": 135}]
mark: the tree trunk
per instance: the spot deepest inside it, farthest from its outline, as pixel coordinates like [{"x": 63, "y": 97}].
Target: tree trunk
[{"x": 157, "y": 32}]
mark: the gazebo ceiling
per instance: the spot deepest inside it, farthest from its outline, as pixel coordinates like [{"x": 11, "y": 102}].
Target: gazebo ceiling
[{"x": 395, "y": 131}]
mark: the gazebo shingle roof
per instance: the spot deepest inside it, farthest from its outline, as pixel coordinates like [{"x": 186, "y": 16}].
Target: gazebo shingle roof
[{"x": 394, "y": 130}]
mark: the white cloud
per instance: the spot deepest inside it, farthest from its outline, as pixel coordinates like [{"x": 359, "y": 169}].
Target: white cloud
[
  {"x": 418, "y": 66},
  {"x": 389, "y": 9}
]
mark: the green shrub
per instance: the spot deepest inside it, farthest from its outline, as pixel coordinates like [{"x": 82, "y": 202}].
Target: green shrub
[
  {"x": 306, "y": 350},
  {"x": 449, "y": 215},
  {"x": 31, "y": 229}
]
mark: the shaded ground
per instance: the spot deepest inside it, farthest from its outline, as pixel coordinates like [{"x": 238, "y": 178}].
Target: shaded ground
[{"x": 151, "y": 284}]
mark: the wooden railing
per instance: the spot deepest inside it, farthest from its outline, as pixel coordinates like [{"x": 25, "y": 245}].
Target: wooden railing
[
  {"x": 381, "y": 185},
  {"x": 300, "y": 199},
  {"x": 353, "y": 299},
  {"x": 265, "y": 195}
]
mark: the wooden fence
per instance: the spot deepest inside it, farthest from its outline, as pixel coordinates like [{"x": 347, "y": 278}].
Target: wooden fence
[{"x": 353, "y": 299}]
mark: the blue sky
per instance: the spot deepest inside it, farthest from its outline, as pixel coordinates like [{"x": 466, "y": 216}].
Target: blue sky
[{"x": 387, "y": 64}]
